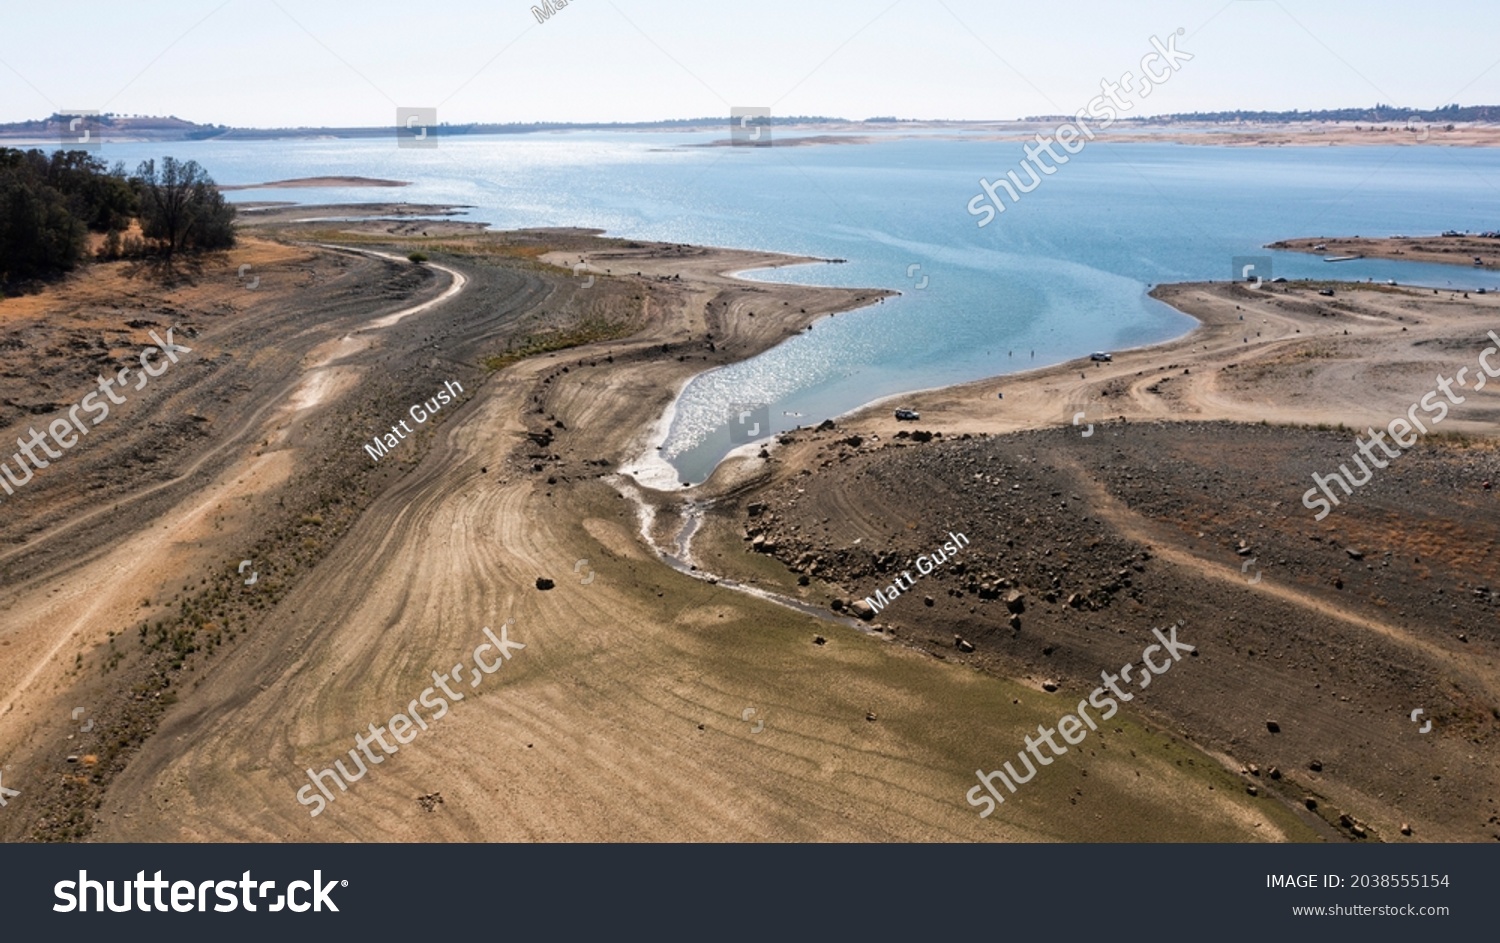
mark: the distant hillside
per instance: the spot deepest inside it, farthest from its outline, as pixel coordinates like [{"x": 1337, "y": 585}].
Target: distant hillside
[{"x": 112, "y": 127}]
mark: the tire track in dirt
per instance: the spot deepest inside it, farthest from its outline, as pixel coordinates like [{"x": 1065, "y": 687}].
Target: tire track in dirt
[
  {"x": 1146, "y": 532},
  {"x": 107, "y": 581}
]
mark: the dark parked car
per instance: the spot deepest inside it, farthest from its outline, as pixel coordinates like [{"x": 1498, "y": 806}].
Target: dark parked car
[{"x": 1101, "y": 356}]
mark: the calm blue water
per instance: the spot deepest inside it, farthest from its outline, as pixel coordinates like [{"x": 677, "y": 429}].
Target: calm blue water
[{"x": 1063, "y": 272}]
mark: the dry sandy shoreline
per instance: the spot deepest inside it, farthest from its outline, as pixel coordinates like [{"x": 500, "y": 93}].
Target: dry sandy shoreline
[
  {"x": 1482, "y": 254},
  {"x": 1188, "y": 460},
  {"x": 623, "y": 719}
]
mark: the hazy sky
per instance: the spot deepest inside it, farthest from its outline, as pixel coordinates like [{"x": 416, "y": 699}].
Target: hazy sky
[{"x": 285, "y": 63}]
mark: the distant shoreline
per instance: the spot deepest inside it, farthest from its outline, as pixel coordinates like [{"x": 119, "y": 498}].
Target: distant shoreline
[
  {"x": 1455, "y": 249},
  {"x": 301, "y": 182},
  {"x": 804, "y": 133}
]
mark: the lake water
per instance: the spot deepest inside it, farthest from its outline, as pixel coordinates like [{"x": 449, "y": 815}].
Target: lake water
[{"x": 1063, "y": 272}]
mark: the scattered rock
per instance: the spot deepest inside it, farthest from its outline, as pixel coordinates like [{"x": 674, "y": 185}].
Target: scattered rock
[
  {"x": 1405, "y": 828},
  {"x": 1354, "y": 554},
  {"x": 1049, "y": 686},
  {"x": 543, "y": 583},
  {"x": 1015, "y": 601},
  {"x": 1273, "y": 726},
  {"x": 431, "y": 801},
  {"x": 1310, "y": 802},
  {"x": 870, "y": 716},
  {"x": 862, "y": 610},
  {"x": 1316, "y": 766},
  {"x": 963, "y": 644},
  {"x": 1253, "y": 790},
  {"x": 819, "y": 640},
  {"x": 1274, "y": 773}
]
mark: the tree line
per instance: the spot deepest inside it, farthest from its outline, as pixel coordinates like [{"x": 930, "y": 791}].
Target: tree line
[{"x": 50, "y": 204}]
